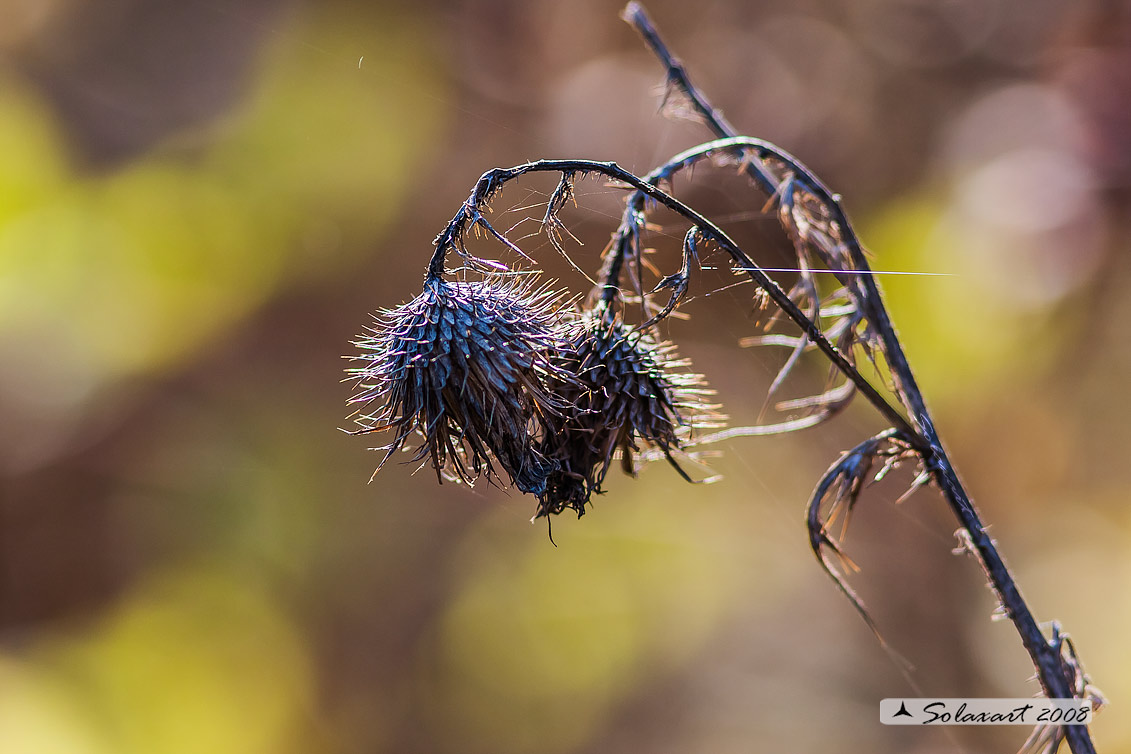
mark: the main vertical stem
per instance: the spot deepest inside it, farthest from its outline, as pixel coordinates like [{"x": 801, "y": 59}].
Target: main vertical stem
[{"x": 1051, "y": 671}]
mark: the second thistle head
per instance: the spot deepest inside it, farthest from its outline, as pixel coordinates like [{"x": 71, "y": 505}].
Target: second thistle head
[
  {"x": 465, "y": 365},
  {"x": 628, "y": 393}
]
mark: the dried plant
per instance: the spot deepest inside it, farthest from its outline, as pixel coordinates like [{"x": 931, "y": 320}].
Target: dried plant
[{"x": 499, "y": 372}]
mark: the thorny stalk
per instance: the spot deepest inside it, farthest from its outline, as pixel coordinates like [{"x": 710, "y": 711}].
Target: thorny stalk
[{"x": 1057, "y": 669}]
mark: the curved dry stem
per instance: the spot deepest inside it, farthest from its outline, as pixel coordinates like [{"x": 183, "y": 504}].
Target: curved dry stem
[
  {"x": 450, "y": 239},
  {"x": 808, "y": 225}
]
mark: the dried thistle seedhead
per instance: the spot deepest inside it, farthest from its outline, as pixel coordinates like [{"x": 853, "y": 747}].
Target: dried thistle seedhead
[
  {"x": 465, "y": 365},
  {"x": 630, "y": 393}
]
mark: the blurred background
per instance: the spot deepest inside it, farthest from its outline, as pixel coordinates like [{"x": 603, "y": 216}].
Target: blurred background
[{"x": 202, "y": 203}]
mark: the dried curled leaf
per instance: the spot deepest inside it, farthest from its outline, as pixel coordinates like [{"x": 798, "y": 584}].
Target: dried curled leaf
[{"x": 838, "y": 492}]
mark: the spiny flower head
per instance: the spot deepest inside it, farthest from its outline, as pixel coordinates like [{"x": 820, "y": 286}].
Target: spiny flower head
[
  {"x": 630, "y": 393},
  {"x": 465, "y": 365}
]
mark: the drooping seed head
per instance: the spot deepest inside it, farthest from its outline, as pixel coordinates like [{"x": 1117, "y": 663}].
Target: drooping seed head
[
  {"x": 465, "y": 366},
  {"x": 630, "y": 393}
]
